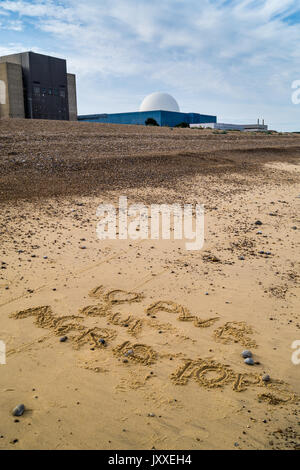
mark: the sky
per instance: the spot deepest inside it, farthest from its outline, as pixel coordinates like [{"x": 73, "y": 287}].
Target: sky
[{"x": 236, "y": 59}]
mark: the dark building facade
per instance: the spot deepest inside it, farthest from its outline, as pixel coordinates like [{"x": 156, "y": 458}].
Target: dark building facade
[{"x": 47, "y": 89}]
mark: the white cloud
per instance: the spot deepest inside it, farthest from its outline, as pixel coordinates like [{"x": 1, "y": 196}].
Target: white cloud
[
  {"x": 34, "y": 9},
  {"x": 14, "y": 25}
]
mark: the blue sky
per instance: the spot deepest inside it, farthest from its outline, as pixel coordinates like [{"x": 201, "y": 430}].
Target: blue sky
[{"x": 233, "y": 58}]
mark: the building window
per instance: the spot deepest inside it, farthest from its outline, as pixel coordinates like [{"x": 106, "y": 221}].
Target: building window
[
  {"x": 44, "y": 91},
  {"x": 36, "y": 90},
  {"x": 55, "y": 92},
  {"x": 50, "y": 91},
  {"x": 62, "y": 93}
]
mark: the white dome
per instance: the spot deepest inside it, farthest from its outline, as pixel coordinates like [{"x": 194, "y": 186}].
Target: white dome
[{"x": 159, "y": 102}]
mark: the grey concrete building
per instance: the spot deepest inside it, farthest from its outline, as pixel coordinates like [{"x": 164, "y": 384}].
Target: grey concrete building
[
  {"x": 11, "y": 91},
  {"x": 71, "y": 81},
  {"x": 232, "y": 127},
  {"x": 36, "y": 86}
]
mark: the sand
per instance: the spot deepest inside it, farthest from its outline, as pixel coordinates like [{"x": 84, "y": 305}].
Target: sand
[{"x": 170, "y": 374}]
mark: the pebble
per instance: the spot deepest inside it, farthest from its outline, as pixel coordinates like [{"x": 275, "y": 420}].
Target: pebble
[
  {"x": 249, "y": 361},
  {"x": 266, "y": 378},
  {"x": 63, "y": 339},
  {"x": 241, "y": 258},
  {"x": 102, "y": 341},
  {"x": 129, "y": 353},
  {"x": 294, "y": 228},
  {"x": 246, "y": 354},
  {"x": 258, "y": 222},
  {"x": 18, "y": 410}
]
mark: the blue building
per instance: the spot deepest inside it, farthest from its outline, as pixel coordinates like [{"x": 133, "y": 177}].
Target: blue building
[{"x": 163, "y": 118}]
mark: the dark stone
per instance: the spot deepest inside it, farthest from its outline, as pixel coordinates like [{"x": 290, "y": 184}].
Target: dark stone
[
  {"x": 18, "y": 410},
  {"x": 249, "y": 361},
  {"x": 246, "y": 354}
]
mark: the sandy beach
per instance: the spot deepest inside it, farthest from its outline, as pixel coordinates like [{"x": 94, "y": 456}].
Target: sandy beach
[{"x": 170, "y": 374}]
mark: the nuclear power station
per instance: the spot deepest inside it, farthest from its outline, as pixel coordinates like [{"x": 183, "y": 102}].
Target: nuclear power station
[
  {"x": 36, "y": 86},
  {"x": 164, "y": 110},
  {"x": 161, "y": 107}
]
